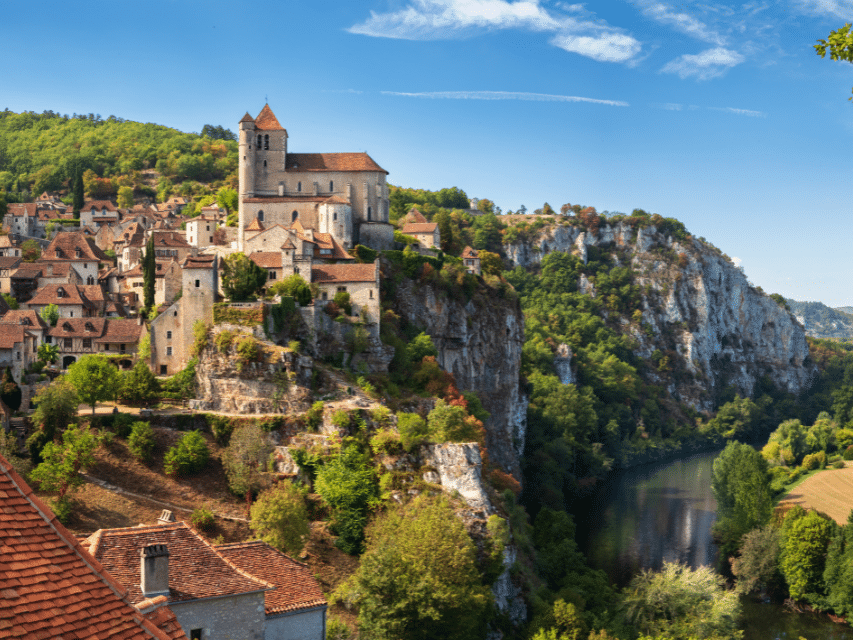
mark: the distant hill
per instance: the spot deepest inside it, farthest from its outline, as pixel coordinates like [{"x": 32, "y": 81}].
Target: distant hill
[{"x": 821, "y": 321}]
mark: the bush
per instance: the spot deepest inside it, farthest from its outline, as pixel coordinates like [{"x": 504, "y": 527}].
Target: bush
[
  {"x": 280, "y": 519},
  {"x": 340, "y": 419},
  {"x": 413, "y": 430},
  {"x": 202, "y": 518},
  {"x": 342, "y": 300},
  {"x": 223, "y": 340},
  {"x": 245, "y": 459},
  {"x": 138, "y": 386},
  {"x": 121, "y": 423},
  {"x": 814, "y": 461},
  {"x": 141, "y": 440},
  {"x": 385, "y": 441},
  {"x": 314, "y": 415},
  {"x": 221, "y": 427},
  {"x": 189, "y": 456},
  {"x": 838, "y": 464},
  {"x": 247, "y": 351},
  {"x": 848, "y": 453}
]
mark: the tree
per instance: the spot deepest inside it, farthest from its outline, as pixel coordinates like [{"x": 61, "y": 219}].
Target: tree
[
  {"x": 242, "y": 278},
  {"x": 741, "y": 484},
  {"x": 149, "y": 271},
  {"x": 839, "y": 43},
  {"x": 56, "y": 406},
  {"x": 805, "y": 538},
  {"x": 294, "y": 286},
  {"x": 189, "y": 456},
  {"x": 30, "y": 251},
  {"x": 10, "y": 392},
  {"x": 138, "y": 386},
  {"x": 50, "y": 314},
  {"x": 757, "y": 566},
  {"x": 141, "y": 442},
  {"x": 125, "y": 197},
  {"x": 680, "y": 602},
  {"x": 60, "y": 470},
  {"x": 227, "y": 198},
  {"x": 13, "y": 304},
  {"x": 491, "y": 263},
  {"x": 95, "y": 378},
  {"x": 48, "y": 353},
  {"x": 280, "y": 519},
  {"x": 245, "y": 459},
  {"x": 79, "y": 197},
  {"x": 418, "y": 578}
]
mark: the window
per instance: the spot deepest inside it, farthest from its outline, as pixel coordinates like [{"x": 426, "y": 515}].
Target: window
[
  {"x": 272, "y": 275},
  {"x": 266, "y": 145},
  {"x": 371, "y": 294},
  {"x": 175, "y": 313},
  {"x": 60, "y": 292},
  {"x": 259, "y": 141},
  {"x": 369, "y": 212},
  {"x": 87, "y": 343},
  {"x": 299, "y": 186},
  {"x": 78, "y": 253},
  {"x": 168, "y": 351},
  {"x": 168, "y": 335},
  {"x": 70, "y": 314},
  {"x": 331, "y": 186},
  {"x": 335, "y": 215},
  {"x": 90, "y": 326},
  {"x": 294, "y": 216},
  {"x": 265, "y": 163},
  {"x": 18, "y": 354},
  {"x": 325, "y": 295},
  {"x": 197, "y": 285},
  {"x": 195, "y": 634},
  {"x": 342, "y": 289},
  {"x": 260, "y": 216},
  {"x": 68, "y": 343},
  {"x": 163, "y": 370}
]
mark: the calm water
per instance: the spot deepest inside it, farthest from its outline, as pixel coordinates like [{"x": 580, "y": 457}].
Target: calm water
[{"x": 645, "y": 516}]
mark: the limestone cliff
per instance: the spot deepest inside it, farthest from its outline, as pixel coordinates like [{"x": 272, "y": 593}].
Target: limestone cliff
[
  {"x": 479, "y": 341},
  {"x": 696, "y": 306}
]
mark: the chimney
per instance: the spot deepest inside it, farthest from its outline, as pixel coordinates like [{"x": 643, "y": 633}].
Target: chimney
[
  {"x": 166, "y": 517},
  {"x": 154, "y": 570}
]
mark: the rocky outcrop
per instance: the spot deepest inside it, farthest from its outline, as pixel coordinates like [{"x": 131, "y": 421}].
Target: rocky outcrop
[
  {"x": 479, "y": 341},
  {"x": 457, "y": 468},
  {"x": 697, "y": 308}
]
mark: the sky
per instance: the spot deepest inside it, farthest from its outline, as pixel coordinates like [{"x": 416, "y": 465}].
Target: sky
[{"x": 719, "y": 114}]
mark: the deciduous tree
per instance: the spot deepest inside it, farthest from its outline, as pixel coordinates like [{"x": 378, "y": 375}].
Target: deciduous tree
[
  {"x": 95, "y": 378},
  {"x": 279, "y": 518},
  {"x": 242, "y": 278},
  {"x": 245, "y": 459},
  {"x": 56, "y": 406},
  {"x": 50, "y": 314}
]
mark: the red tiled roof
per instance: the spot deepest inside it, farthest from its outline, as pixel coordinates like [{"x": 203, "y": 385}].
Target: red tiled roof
[
  {"x": 343, "y": 273},
  {"x": 99, "y": 205},
  {"x": 25, "y": 318},
  {"x": 266, "y": 120},
  {"x": 74, "y": 294},
  {"x": 267, "y": 259},
  {"x": 158, "y": 612},
  {"x": 10, "y": 335},
  {"x": 255, "y": 225},
  {"x": 169, "y": 239},
  {"x": 68, "y": 242},
  {"x": 9, "y": 262},
  {"x": 295, "y": 585},
  {"x": 79, "y": 328},
  {"x": 420, "y": 227},
  {"x": 336, "y": 200},
  {"x": 162, "y": 266},
  {"x": 468, "y": 252},
  {"x": 326, "y": 242},
  {"x": 121, "y": 330},
  {"x": 246, "y": 118},
  {"x": 196, "y": 569},
  {"x": 50, "y": 586},
  {"x": 299, "y": 162},
  {"x": 5, "y": 242},
  {"x": 23, "y": 208},
  {"x": 199, "y": 262},
  {"x": 30, "y": 272}
]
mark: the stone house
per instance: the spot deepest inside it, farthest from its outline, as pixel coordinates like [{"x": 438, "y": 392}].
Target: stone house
[
  {"x": 80, "y": 251},
  {"x": 471, "y": 260},
  {"x": 360, "y": 281},
  {"x": 8, "y": 249},
  {"x": 74, "y": 301},
  {"x": 167, "y": 281},
  {"x": 30, "y": 321},
  {"x": 259, "y": 238},
  {"x": 98, "y": 213},
  {"x": 17, "y": 349},
  {"x": 343, "y": 194},
  {"x": 53, "y": 588},
  {"x": 172, "y": 244},
  {"x": 77, "y": 337},
  {"x": 427, "y": 233},
  {"x": 200, "y": 231},
  {"x": 7, "y": 267},
  {"x": 210, "y": 596}
]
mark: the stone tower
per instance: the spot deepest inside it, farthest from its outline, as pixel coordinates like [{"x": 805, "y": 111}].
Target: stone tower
[{"x": 247, "y": 172}]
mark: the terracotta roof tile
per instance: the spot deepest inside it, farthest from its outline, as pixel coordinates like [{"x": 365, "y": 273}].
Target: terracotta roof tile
[
  {"x": 336, "y": 200},
  {"x": 247, "y": 118},
  {"x": 68, "y": 243},
  {"x": 10, "y": 335},
  {"x": 71, "y": 294},
  {"x": 199, "y": 262},
  {"x": 51, "y": 587},
  {"x": 299, "y": 162},
  {"x": 327, "y": 248},
  {"x": 196, "y": 569},
  {"x": 343, "y": 273},
  {"x": 420, "y": 227},
  {"x": 100, "y": 205},
  {"x": 79, "y": 328},
  {"x": 267, "y": 259},
  {"x": 169, "y": 239},
  {"x": 255, "y": 225},
  {"x": 266, "y": 120},
  {"x": 162, "y": 266},
  {"x": 295, "y": 585},
  {"x": 468, "y": 252},
  {"x": 24, "y": 317},
  {"x": 279, "y": 199},
  {"x": 9, "y": 262},
  {"x": 121, "y": 330},
  {"x": 28, "y": 271}
]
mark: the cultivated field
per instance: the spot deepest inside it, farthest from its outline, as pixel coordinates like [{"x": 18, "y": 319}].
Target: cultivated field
[{"x": 830, "y": 492}]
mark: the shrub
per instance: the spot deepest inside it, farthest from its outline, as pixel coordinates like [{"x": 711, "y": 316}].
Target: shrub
[
  {"x": 380, "y": 415},
  {"x": 245, "y": 459},
  {"x": 223, "y": 340},
  {"x": 141, "y": 440},
  {"x": 138, "y": 386},
  {"x": 342, "y": 300},
  {"x": 200, "y": 329},
  {"x": 838, "y": 464},
  {"x": 247, "y": 351},
  {"x": 385, "y": 441},
  {"x": 221, "y": 427},
  {"x": 280, "y": 519},
  {"x": 848, "y": 453},
  {"x": 364, "y": 385},
  {"x": 202, "y": 518},
  {"x": 340, "y": 419},
  {"x": 314, "y": 415},
  {"x": 189, "y": 456},
  {"x": 413, "y": 430},
  {"x": 814, "y": 461}
]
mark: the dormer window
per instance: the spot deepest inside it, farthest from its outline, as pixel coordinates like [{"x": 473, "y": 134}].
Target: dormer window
[
  {"x": 90, "y": 326},
  {"x": 60, "y": 292},
  {"x": 78, "y": 253},
  {"x": 66, "y": 326}
]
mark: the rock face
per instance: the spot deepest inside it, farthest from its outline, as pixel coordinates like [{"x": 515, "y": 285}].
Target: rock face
[
  {"x": 821, "y": 321},
  {"x": 458, "y": 468},
  {"x": 697, "y": 307},
  {"x": 479, "y": 341},
  {"x": 275, "y": 382}
]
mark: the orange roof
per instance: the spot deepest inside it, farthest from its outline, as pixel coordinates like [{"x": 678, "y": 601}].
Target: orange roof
[
  {"x": 50, "y": 294},
  {"x": 66, "y": 244},
  {"x": 299, "y": 162},
  {"x": 99, "y": 205},
  {"x": 121, "y": 330},
  {"x": 290, "y": 198},
  {"x": 255, "y": 225},
  {"x": 336, "y": 200},
  {"x": 415, "y": 216},
  {"x": 267, "y": 121},
  {"x": 327, "y": 248},
  {"x": 79, "y": 328},
  {"x": 343, "y": 273},
  {"x": 468, "y": 252},
  {"x": 11, "y": 334},
  {"x": 162, "y": 266},
  {"x": 24, "y": 317},
  {"x": 246, "y": 118},
  {"x": 420, "y": 227},
  {"x": 196, "y": 569},
  {"x": 295, "y": 586},
  {"x": 50, "y": 586},
  {"x": 199, "y": 262},
  {"x": 266, "y": 259},
  {"x": 156, "y": 610}
]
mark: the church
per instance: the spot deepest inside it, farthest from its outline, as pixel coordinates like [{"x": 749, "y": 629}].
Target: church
[{"x": 341, "y": 194}]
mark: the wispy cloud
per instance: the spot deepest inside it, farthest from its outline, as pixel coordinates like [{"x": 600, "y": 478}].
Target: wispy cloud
[
  {"x": 504, "y": 95},
  {"x": 839, "y": 8},
  {"x": 448, "y": 19},
  {"x": 708, "y": 64},
  {"x": 740, "y": 112},
  {"x": 683, "y": 22},
  {"x": 668, "y": 106},
  {"x": 674, "y": 106}
]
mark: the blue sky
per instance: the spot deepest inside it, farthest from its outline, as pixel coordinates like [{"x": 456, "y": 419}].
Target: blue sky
[{"x": 716, "y": 113}]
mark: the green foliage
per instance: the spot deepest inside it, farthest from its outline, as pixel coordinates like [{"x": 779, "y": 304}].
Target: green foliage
[
  {"x": 839, "y": 43},
  {"x": 295, "y": 287},
  {"x": 138, "y": 386},
  {"x": 141, "y": 440},
  {"x": 838, "y": 574},
  {"x": 95, "y": 378},
  {"x": 346, "y": 483},
  {"x": 739, "y": 419},
  {"x": 451, "y": 423},
  {"x": 242, "y": 279},
  {"x": 314, "y": 415},
  {"x": 248, "y": 350},
  {"x": 13, "y": 304},
  {"x": 245, "y": 459},
  {"x": 337, "y": 629},
  {"x": 805, "y": 538},
  {"x": 757, "y": 565},
  {"x": 30, "y": 250},
  {"x": 149, "y": 270},
  {"x": 60, "y": 470},
  {"x": 10, "y": 392},
  {"x": 741, "y": 484},
  {"x": 48, "y": 353},
  {"x": 413, "y": 430},
  {"x": 50, "y": 314},
  {"x": 182, "y": 385},
  {"x": 342, "y": 301},
  {"x": 202, "y": 518},
  {"x": 225, "y": 313},
  {"x": 279, "y": 518},
  {"x": 200, "y": 331},
  {"x": 419, "y": 347},
  {"x": 223, "y": 340},
  {"x": 189, "y": 456},
  {"x": 679, "y": 602},
  {"x": 418, "y": 578},
  {"x": 364, "y": 254},
  {"x": 56, "y": 407}
]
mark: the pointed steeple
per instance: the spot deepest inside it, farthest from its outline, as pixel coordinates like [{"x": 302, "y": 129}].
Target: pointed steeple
[{"x": 267, "y": 121}]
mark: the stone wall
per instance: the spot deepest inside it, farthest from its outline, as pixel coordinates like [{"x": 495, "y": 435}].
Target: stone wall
[{"x": 239, "y": 617}]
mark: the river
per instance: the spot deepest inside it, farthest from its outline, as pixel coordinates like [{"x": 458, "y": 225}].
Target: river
[{"x": 644, "y": 516}]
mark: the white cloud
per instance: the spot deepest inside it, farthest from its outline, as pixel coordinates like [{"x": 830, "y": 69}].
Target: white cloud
[
  {"x": 669, "y": 106},
  {"x": 446, "y": 19},
  {"x": 503, "y": 95},
  {"x": 737, "y": 262},
  {"x": 683, "y": 22},
  {"x": 740, "y": 112},
  {"x": 711, "y": 63},
  {"x": 839, "y": 8}
]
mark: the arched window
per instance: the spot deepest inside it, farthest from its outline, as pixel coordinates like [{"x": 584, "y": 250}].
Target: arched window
[
  {"x": 261, "y": 215},
  {"x": 266, "y": 142},
  {"x": 299, "y": 186},
  {"x": 294, "y": 216},
  {"x": 369, "y": 213},
  {"x": 335, "y": 215},
  {"x": 259, "y": 141},
  {"x": 331, "y": 186}
]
